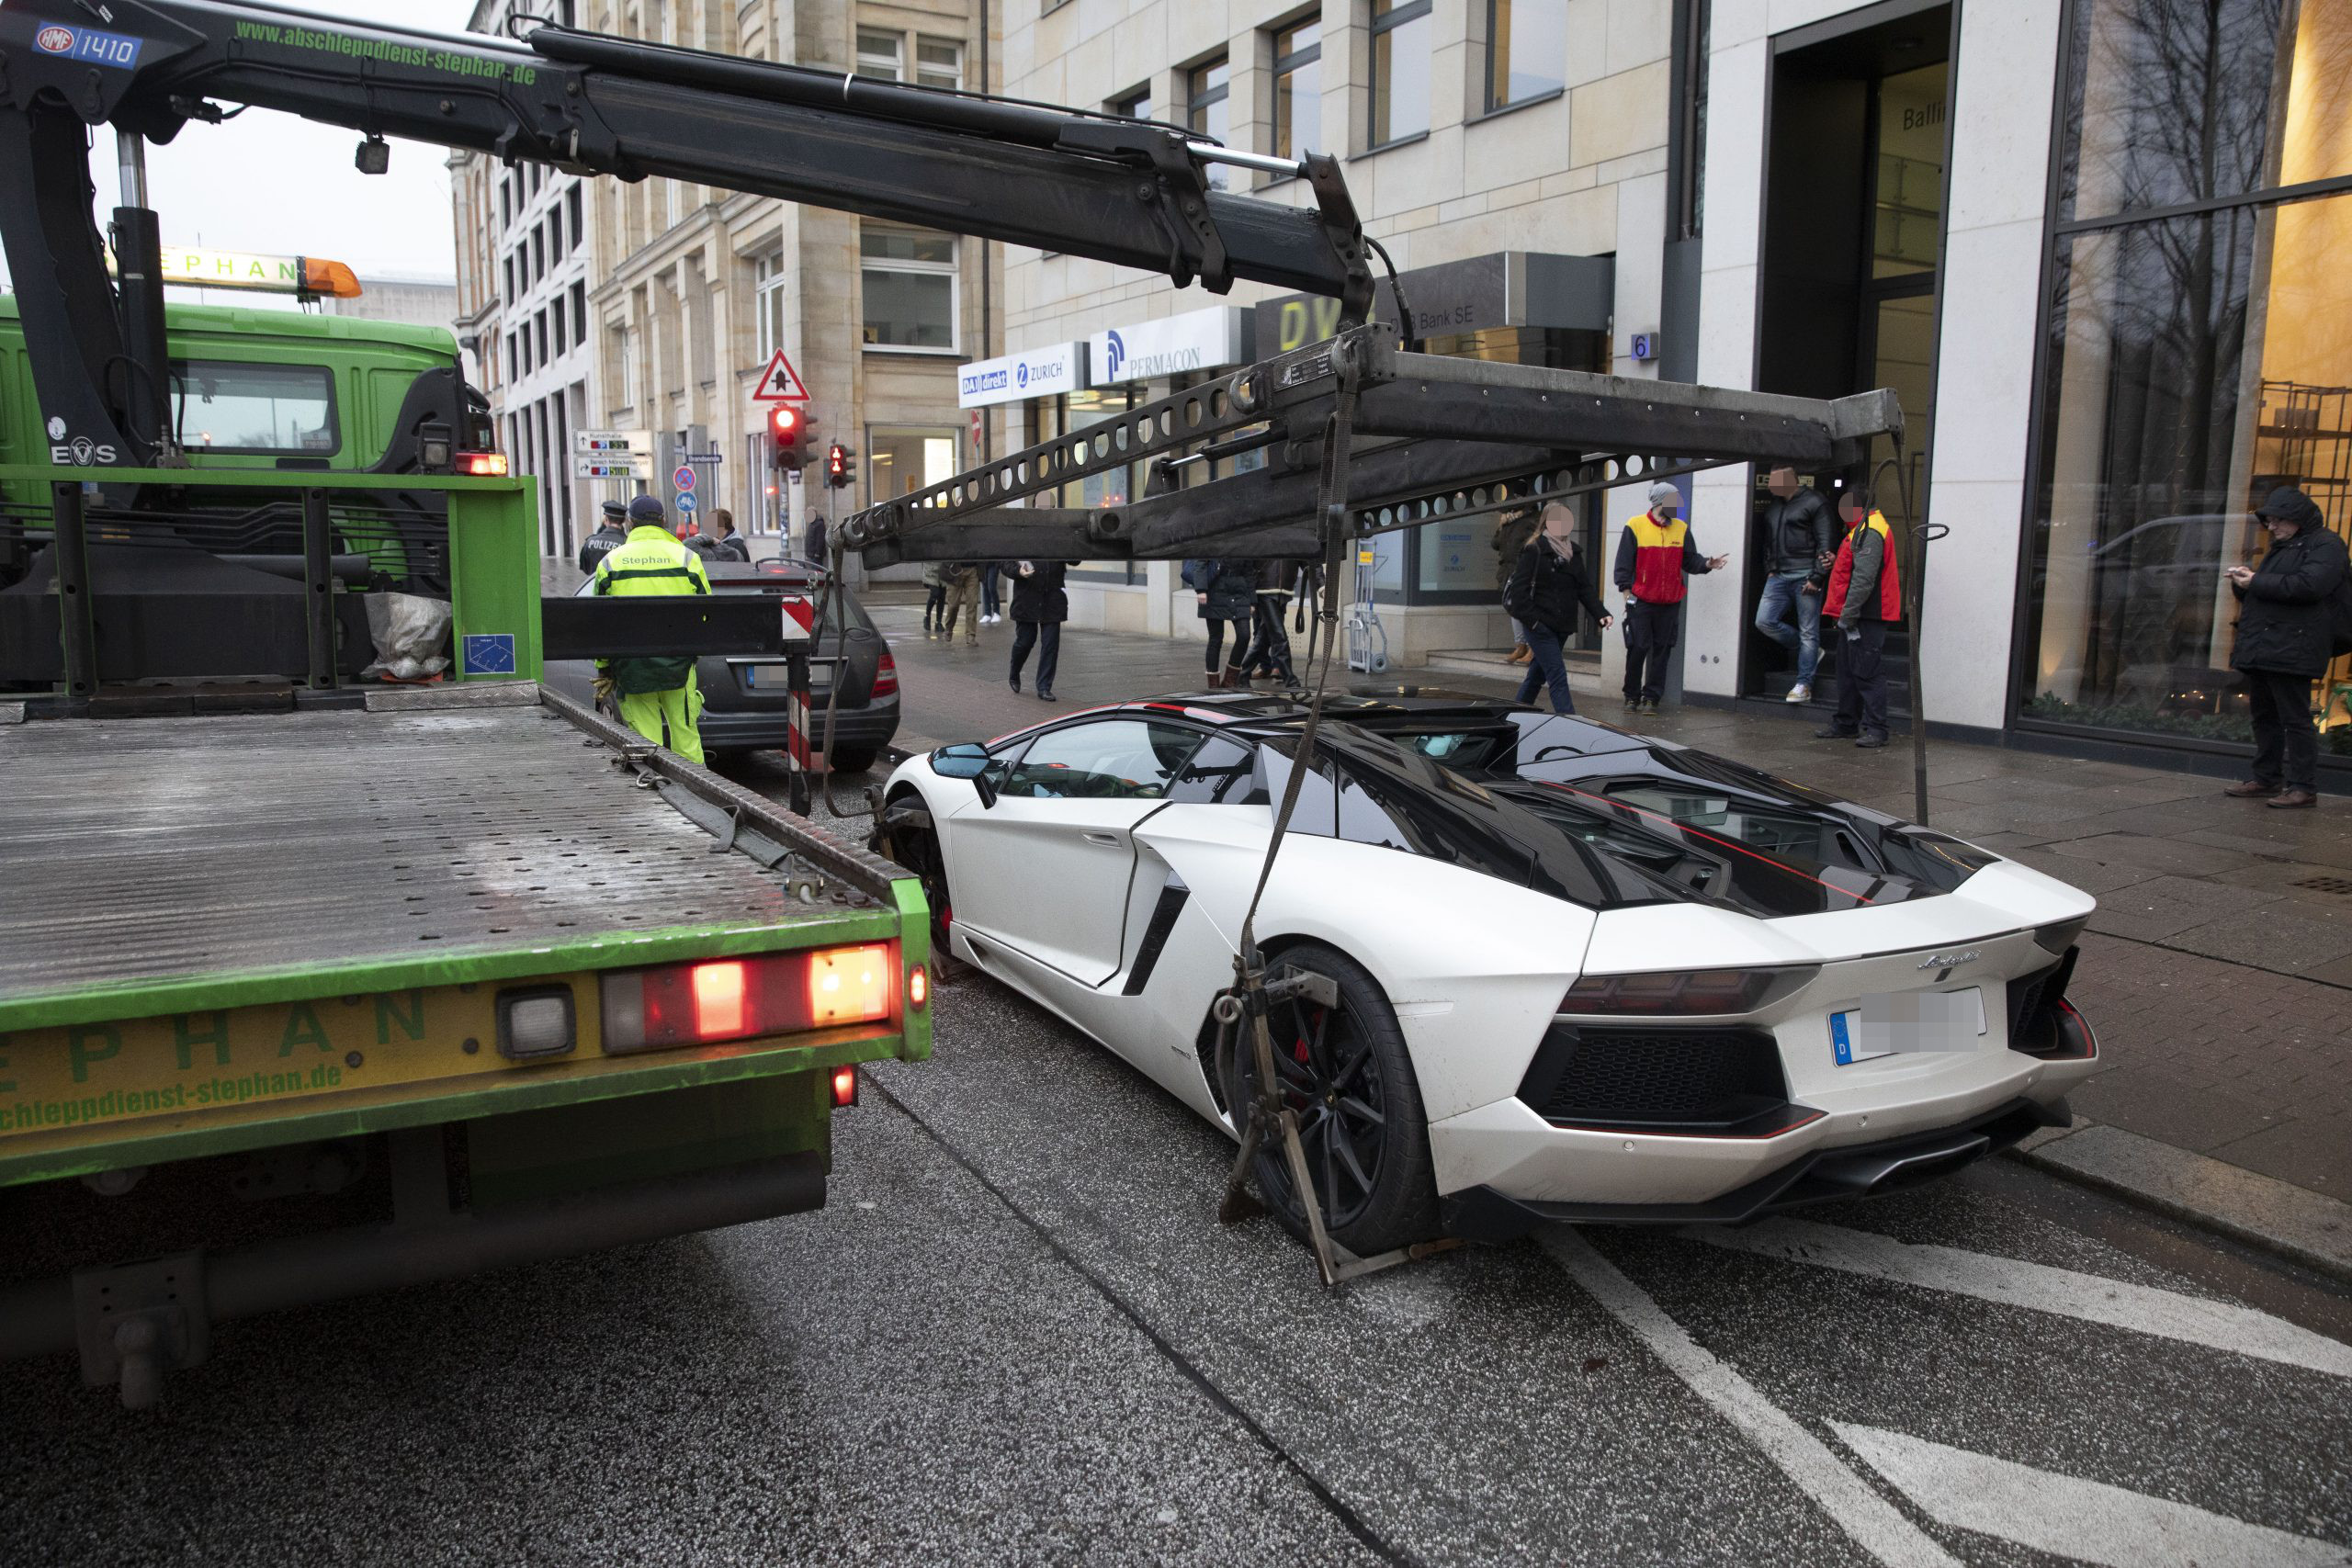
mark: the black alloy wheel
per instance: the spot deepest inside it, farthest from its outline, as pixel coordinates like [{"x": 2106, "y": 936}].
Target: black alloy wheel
[
  {"x": 907, "y": 839},
  {"x": 1345, "y": 1073}
]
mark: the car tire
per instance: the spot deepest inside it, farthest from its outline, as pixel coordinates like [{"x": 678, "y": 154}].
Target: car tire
[
  {"x": 854, "y": 759},
  {"x": 907, "y": 838},
  {"x": 1359, "y": 1054}
]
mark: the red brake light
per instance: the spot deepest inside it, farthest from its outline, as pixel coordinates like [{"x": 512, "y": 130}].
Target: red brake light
[
  {"x": 844, "y": 1086},
  {"x": 886, "y": 676},
  {"x": 1674, "y": 994},
  {"x": 719, "y": 999},
  {"x": 482, "y": 465}
]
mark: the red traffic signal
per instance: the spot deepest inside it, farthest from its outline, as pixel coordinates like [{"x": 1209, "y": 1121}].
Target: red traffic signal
[
  {"x": 837, "y": 465},
  {"x": 786, "y": 424}
]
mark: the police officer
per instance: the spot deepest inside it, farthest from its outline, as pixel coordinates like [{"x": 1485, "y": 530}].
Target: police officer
[
  {"x": 655, "y": 694},
  {"x": 609, "y": 532}
]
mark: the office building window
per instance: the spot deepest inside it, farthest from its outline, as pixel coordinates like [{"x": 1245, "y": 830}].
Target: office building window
[
  {"x": 909, "y": 284},
  {"x": 571, "y": 203},
  {"x": 1400, "y": 70},
  {"x": 1208, "y": 92},
  {"x": 1134, "y": 106},
  {"x": 768, "y": 303},
  {"x": 579, "y": 312},
  {"x": 878, "y": 55},
  {"x": 557, "y": 315},
  {"x": 510, "y": 276},
  {"x": 540, "y": 325},
  {"x": 1298, "y": 93},
  {"x": 1527, "y": 49},
  {"x": 939, "y": 63}
]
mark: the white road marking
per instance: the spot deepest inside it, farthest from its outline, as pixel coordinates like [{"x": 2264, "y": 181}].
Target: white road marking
[
  {"x": 1874, "y": 1522},
  {"x": 2070, "y": 1518},
  {"x": 2166, "y": 1314}
]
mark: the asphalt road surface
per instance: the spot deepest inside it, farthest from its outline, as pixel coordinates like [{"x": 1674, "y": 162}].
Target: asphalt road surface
[{"x": 1018, "y": 1333}]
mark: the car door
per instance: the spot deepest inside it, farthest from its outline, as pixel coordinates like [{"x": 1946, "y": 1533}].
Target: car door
[{"x": 1045, "y": 870}]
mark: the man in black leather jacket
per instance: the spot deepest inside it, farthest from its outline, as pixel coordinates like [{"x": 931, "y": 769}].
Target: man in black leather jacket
[
  {"x": 2285, "y": 641},
  {"x": 1800, "y": 538}
]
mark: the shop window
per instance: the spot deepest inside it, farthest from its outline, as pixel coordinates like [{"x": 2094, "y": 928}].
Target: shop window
[
  {"x": 2194, "y": 364},
  {"x": 1298, "y": 92},
  {"x": 900, "y": 462},
  {"x": 1527, "y": 51},
  {"x": 1208, "y": 89},
  {"x": 1400, "y": 70},
  {"x": 878, "y": 55},
  {"x": 909, "y": 285}
]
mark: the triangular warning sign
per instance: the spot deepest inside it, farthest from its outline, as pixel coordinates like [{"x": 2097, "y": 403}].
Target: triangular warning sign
[{"x": 780, "y": 383}]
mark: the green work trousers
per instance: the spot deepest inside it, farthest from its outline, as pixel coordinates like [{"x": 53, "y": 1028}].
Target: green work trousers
[{"x": 650, "y": 713}]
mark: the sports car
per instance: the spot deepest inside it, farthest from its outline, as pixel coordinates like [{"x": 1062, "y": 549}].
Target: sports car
[{"x": 1538, "y": 967}]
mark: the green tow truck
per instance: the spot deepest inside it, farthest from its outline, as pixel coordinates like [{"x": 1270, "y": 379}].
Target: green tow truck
[{"x": 312, "y": 988}]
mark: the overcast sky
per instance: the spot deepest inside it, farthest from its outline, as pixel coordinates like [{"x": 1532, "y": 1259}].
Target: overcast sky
[{"x": 279, "y": 185}]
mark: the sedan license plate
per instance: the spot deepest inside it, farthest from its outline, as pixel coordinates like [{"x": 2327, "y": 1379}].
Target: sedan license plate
[
  {"x": 775, "y": 675},
  {"x": 1903, "y": 1021}
]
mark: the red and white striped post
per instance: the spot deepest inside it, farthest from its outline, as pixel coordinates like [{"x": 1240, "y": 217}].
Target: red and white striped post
[{"x": 803, "y": 753}]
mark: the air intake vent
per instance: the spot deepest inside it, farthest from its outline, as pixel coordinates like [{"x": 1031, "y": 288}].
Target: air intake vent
[{"x": 1660, "y": 1078}]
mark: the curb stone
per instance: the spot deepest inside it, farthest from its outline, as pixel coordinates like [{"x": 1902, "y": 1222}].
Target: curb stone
[{"x": 2306, "y": 1227}]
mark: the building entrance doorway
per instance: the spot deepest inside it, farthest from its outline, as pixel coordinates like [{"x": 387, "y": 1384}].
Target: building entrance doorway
[{"x": 1854, "y": 230}]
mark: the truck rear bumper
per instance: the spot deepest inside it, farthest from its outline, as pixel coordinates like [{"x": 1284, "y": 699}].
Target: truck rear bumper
[{"x": 40, "y": 1317}]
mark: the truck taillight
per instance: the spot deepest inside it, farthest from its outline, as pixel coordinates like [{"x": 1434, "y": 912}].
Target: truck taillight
[
  {"x": 718, "y": 999},
  {"x": 482, "y": 465},
  {"x": 886, "y": 677}
]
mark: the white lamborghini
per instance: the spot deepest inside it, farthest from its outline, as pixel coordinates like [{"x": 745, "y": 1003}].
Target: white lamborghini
[{"x": 1566, "y": 971}]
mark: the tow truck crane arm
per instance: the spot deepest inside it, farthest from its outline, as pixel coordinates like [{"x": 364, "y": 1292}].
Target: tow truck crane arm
[{"x": 1132, "y": 193}]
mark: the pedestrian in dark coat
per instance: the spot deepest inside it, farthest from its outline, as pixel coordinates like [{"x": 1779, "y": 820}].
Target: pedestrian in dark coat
[
  {"x": 1512, "y": 535},
  {"x": 1546, "y": 589},
  {"x": 726, "y": 544},
  {"x": 1228, "y": 591},
  {"x": 1040, "y": 605},
  {"x": 812, "y": 544},
  {"x": 2285, "y": 639}
]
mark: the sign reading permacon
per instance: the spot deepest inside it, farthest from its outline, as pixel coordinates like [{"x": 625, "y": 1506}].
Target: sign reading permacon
[{"x": 1172, "y": 346}]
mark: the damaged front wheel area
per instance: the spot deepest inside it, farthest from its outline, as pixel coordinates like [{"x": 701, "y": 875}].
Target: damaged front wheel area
[{"x": 1343, "y": 1070}]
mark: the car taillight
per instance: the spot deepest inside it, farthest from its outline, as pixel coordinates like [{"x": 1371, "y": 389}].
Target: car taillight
[
  {"x": 719, "y": 999},
  {"x": 886, "y": 676},
  {"x": 1676, "y": 994},
  {"x": 482, "y": 465}
]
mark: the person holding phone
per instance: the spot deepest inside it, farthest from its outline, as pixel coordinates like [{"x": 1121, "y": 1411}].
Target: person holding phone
[{"x": 2285, "y": 640}]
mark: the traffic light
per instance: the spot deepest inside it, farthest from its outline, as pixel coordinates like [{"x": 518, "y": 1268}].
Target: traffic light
[
  {"x": 788, "y": 425},
  {"x": 837, "y": 465}
]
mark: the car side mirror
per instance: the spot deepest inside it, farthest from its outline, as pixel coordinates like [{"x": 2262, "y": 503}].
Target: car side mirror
[{"x": 967, "y": 761}]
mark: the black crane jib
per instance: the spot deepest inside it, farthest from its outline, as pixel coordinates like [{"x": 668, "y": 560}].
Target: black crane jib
[{"x": 1133, "y": 193}]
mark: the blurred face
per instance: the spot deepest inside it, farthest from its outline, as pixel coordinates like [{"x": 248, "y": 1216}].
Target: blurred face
[
  {"x": 1558, "y": 523},
  {"x": 1781, "y": 482},
  {"x": 2281, "y": 531}
]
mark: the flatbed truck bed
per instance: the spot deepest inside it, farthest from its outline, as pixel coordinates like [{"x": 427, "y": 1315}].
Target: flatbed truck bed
[{"x": 303, "y": 948}]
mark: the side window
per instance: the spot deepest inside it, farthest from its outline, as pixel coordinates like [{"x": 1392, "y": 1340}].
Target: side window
[
  {"x": 1315, "y": 812},
  {"x": 223, "y": 407},
  {"x": 1365, "y": 821},
  {"x": 1111, "y": 758},
  {"x": 1222, "y": 772}
]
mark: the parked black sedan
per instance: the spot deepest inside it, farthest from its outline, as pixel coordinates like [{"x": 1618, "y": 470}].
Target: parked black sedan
[{"x": 744, "y": 696}]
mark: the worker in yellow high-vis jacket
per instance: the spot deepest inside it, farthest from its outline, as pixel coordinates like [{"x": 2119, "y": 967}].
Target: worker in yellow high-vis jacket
[{"x": 658, "y": 697}]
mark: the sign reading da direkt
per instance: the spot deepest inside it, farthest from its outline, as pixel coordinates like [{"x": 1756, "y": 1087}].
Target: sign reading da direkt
[{"x": 1032, "y": 373}]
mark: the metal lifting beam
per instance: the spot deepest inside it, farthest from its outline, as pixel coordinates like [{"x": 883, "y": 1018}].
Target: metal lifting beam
[{"x": 1435, "y": 437}]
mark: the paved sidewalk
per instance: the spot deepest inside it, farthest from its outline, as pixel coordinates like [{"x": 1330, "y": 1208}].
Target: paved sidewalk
[{"x": 2213, "y": 971}]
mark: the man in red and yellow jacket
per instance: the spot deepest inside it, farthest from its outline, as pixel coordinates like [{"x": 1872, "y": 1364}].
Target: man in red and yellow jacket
[
  {"x": 1865, "y": 596},
  {"x": 1655, "y": 558}
]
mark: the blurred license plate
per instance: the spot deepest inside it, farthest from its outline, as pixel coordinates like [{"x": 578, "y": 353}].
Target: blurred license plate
[
  {"x": 775, "y": 675},
  {"x": 1903, "y": 1021}
]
